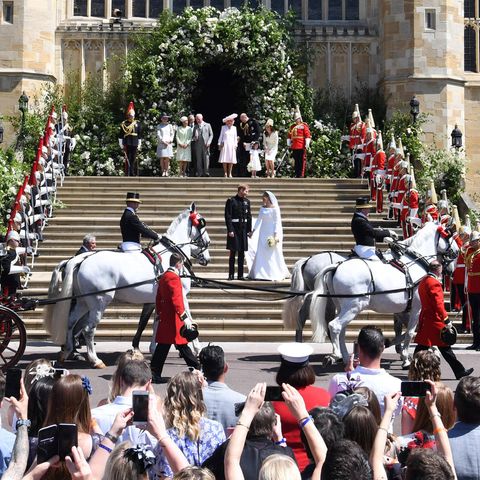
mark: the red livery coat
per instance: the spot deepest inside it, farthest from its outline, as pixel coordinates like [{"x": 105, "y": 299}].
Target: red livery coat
[
  {"x": 358, "y": 132},
  {"x": 298, "y": 133},
  {"x": 379, "y": 161},
  {"x": 459, "y": 273},
  {"x": 170, "y": 306},
  {"x": 472, "y": 265},
  {"x": 433, "y": 313}
]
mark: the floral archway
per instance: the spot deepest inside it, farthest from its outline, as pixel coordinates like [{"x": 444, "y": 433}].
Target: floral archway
[{"x": 257, "y": 46}]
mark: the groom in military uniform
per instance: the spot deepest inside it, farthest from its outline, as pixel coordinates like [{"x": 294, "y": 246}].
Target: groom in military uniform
[
  {"x": 238, "y": 218},
  {"x": 131, "y": 226}
]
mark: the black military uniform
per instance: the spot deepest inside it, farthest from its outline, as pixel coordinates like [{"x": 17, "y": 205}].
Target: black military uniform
[
  {"x": 364, "y": 232},
  {"x": 238, "y": 218},
  {"x": 131, "y": 226},
  {"x": 248, "y": 132}
]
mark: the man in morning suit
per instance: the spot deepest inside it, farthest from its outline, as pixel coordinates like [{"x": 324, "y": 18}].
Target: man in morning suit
[
  {"x": 364, "y": 233},
  {"x": 131, "y": 226},
  {"x": 248, "y": 132},
  {"x": 238, "y": 219},
  {"x": 201, "y": 139},
  {"x": 89, "y": 244}
]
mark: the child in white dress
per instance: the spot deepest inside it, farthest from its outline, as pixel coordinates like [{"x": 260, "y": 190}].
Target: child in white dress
[{"x": 254, "y": 165}]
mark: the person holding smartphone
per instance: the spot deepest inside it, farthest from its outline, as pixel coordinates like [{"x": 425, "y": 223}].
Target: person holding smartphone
[{"x": 433, "y": 318}]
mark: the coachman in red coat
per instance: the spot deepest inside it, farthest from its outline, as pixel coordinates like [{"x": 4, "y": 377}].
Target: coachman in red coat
[
  {"x": 433, "y": 318},
  {"x": 172, "y": 317}
]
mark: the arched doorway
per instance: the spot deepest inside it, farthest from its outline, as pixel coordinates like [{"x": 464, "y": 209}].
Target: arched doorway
[{"x": 218, "y": 93}]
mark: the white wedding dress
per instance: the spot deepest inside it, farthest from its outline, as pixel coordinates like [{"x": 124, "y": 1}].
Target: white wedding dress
[{"x": 265, "y": 262}]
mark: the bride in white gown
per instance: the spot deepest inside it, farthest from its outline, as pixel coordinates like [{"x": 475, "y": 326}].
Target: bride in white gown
[{"x": 265, "y": 245}]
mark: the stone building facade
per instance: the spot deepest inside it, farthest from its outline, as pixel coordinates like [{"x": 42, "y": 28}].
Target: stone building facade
[{"x": 429, "y": 48}]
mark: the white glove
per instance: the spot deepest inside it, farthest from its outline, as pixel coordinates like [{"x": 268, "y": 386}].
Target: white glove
[
  {"x": 139, "y": 145},
  {"x": 120, "y": 142},
  {"x": 289, "y": 142},
  {"x": 307, "y": 143},
  {"x": 388, "y": 240},
  {"x": 188, "y": 323},
  {"x": 25, "y": 269},
  {"x": 393, "y": 234}
]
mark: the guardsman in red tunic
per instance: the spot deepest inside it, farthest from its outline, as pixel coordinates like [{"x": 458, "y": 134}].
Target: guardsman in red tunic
[
  {"x": 409, "y": 206},
  {"x": 370, "y": 145},
  {"x": 392, "y": 151},
  {"x": 472, "y": 286},
  {"x": 458, "y": 297},
  {"x": 358, "y": 132},
  {"x": 298, "y": 140},
  {"x": 399, "y": 187},
  {"x": 172, "y": 317},
  {"x": 433, "y": 318},
  {"x": 399, "y": 157},
  {"x": 378, "y": 174}
]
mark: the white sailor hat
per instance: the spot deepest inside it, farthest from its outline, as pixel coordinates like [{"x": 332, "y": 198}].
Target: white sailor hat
[{"x": 295, "y": 352}]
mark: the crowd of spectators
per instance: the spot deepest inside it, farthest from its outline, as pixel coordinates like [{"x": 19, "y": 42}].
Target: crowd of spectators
[{"x": 204, "y": 430}]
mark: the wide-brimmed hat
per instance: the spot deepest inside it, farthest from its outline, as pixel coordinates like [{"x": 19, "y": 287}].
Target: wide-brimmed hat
[
  {"x": 269, "y": 122},
  {"x": 164, "y": 115},
  {"x": 233, "y": 116},
  {"x": 184, "y": 119},
  {"x": 363, "y": 202},
  {"x": 133, "y": 197}
]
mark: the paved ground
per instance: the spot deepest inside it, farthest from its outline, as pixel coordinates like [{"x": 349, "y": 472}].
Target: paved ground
[{"x": 249, "y": 363}]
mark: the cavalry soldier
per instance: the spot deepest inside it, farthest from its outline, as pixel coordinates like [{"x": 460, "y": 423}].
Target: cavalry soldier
[
  {"x": 364, "y": 233},
  {"x": 172, "y": 317},
  {"x": 433, "y": 318},
  {"x": 130, "y": 141},
  {"x": 400, "y": 187},
  {"x": 357, "y": 139},
  {"x": 409, "y": 206},
  {"x": 378, "y": 174},
  {"x": 472, "y": 286},
  {"x": 298, "y": 140},
  {"x": 370, "y": 145},
  {"x": 131, "y": 226},
  {"x": 238, "y": 219},
  {"x": 392, "y": 150},
  {"x": 458, "y": 298}
]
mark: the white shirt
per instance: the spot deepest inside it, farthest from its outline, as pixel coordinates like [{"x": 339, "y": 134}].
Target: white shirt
[
  {"x": 105, "y": 416},
  {"x": 376, "y": 379}
]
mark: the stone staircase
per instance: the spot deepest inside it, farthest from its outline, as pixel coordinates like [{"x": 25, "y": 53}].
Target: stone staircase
[{"x": 316, "y": 216}]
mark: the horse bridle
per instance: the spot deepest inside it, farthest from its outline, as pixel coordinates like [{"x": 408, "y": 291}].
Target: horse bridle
[{"x": 199, "y": 240}]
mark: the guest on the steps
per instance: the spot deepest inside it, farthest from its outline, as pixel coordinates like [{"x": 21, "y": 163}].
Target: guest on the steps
[
  {"x": 131, "y": 226},
  {"x": 130, "y": 141},
  {"x": 89, "y": 244},
  {"x": 238, "y": 218}
]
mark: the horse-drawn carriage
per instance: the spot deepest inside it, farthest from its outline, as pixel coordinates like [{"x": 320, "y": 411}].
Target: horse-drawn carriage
[{"x": 13, "y": 337}]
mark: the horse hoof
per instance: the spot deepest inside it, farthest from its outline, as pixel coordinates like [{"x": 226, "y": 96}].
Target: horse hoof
[
  {"x": 328, "y": 361},
  {"x": 100, "y": 365}
]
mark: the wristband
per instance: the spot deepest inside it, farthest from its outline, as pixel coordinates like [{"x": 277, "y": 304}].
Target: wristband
[
  {"x": 384, "y": 429},
  {"x": 111, "y": 437},
  {"x": 304, "y": 421},
  {"x": 22, "y": 422},
  {"x": 107, "y": 449},
  {"x": 435, "y": 415},
  {"x": 438, "y": 430},
  {"x": 242, "y": 425},
  {"x": 282, "y": 441}
]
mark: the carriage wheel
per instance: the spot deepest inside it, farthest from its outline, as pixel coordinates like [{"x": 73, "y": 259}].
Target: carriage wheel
[
  {"x": 380, "y": 201},
  {"x": 13, "y": 338}
]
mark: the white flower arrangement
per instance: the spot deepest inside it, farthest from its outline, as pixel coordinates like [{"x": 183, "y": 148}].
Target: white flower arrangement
[{"x": 272, "y": 241}]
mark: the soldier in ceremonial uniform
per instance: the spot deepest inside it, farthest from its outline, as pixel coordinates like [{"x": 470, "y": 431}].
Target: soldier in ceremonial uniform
[
  {"x": 248, "y": 132},
  {"x": 172, "y": 317},
  {"x": 298, "y": 140},
  {"x": 378, "y": 172},
  {"x": 364, "y": 233},
  {"x": 472, "y": 286},
  {"x": 409, "y": 206},
  {"x": 433, "y": 318},
  {"x": 130, "y": 141},
  {"x": 358, "y": 132},
  {"x": 238, "y": 219},
  {"x": 457, "y": 294},
  {"x": 131, "y": 226},
  {"x": 370, "y": 147}
]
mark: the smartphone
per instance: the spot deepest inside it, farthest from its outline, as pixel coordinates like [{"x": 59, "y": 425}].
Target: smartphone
[
  {"x": 67, "y": 437},
  {"x": 47, "y": 443},
  {"x": 12, "y": 383},
  {"x": 414, "y": 389},
  {"x": 59, "y": 372},
  {"x": 274, "y": 394},
  {"x": 355, "y": 350},
  {"x": 140, "y": 407}
]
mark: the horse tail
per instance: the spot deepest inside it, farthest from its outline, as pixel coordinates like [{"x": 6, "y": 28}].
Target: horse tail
[
  {"x": 55, "y": 316},
  {"x": 292, "y": 305},
  {"x": 318, "y": 305}
]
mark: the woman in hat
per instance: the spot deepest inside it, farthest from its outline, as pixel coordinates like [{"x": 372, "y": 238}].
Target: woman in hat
[
  {"x": 266, "y": 247},
  {"x": 184, "y": 140},
  {"x": 270, "y": 144},
  {"x": 296, "y": 371},
  {"x": 165, "y": 136},
  {"x": 227, "y": 144}
]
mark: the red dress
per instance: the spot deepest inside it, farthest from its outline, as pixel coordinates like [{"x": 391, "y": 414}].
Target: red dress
[
  {"x": 314, "y": 397},
  {"x": 170, "y": 306},
  {"x": 433, "y": 313}
]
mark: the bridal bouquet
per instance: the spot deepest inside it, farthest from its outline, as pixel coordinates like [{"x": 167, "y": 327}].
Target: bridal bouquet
[{"x": 271, "y": 241}]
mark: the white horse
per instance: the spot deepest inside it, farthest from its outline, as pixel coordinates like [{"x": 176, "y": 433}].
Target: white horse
[
  {"x": 355, "y": 278},
  {"x": 305, "y": 275},
  {"x": 98, "y": 271}
]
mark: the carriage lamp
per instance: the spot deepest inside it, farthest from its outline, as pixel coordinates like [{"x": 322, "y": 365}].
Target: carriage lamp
[
  {"x": 23, "y": 103},
  {"x": 1, "y": 132},
  {"x": 414, "y": 108},
  {"x": 456, "y": 137}
]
